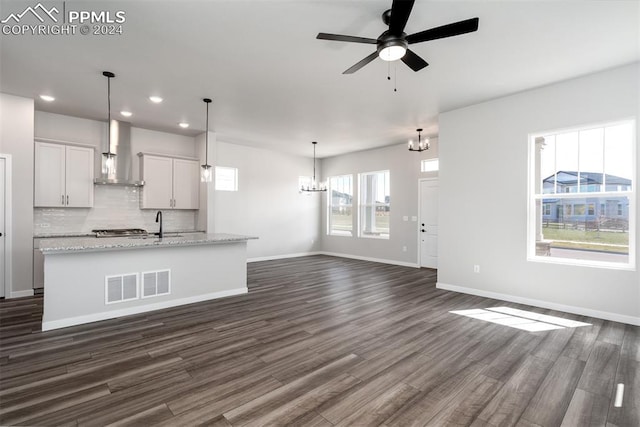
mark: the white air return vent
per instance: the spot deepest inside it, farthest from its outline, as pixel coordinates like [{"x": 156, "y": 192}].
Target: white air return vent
[
  {"x": 120, "y": 288},
  {"x": 156, "y": 283}
]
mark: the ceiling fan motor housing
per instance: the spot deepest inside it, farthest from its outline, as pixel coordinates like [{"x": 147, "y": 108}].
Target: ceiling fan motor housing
[{"x": 387, "y": 40}]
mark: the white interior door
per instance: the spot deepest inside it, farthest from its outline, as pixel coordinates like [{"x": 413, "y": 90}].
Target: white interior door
[
  {"x": 3, "y": 205},
  {"x": 429, "y": 223}
]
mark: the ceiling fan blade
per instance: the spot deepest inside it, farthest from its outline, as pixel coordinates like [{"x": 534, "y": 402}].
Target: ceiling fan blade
[
  {"x": 361, "y": 64},
  {"x": 341, "y": 38},
  {"x": 449, "y": 30},
  {"x": 400, "y": 11},
  {"x": 414, "y": 61}
]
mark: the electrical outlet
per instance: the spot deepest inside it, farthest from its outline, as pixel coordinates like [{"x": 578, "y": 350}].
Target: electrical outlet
[{"x": 476, "y": 268}]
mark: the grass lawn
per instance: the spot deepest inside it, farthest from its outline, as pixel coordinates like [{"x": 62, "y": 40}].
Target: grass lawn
[{"x": 605, "y": 241}]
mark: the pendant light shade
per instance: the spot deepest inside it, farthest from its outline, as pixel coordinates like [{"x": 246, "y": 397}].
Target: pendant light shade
[
  {"x": 423, "y": 144},
  {"x": 108, "y": 158},
  {"x": 315, "y": 186},
  {"x": 206, "y": 171}
]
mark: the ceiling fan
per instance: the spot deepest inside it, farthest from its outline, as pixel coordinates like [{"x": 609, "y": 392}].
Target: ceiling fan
[{"x": 393, "y": 43}]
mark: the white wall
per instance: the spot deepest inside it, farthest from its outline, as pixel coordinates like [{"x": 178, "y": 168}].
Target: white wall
[
  {"x": 267, "y": 203},
  {"x": 16, "y": 139},
  {"x": 404, "y": 172},
  {"x": 483, "y": 196}
]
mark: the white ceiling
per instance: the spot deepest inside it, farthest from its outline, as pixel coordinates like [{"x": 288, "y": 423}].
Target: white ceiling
[{"x": 275, "y": 86}]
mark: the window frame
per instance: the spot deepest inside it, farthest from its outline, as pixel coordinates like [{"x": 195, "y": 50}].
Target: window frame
[
  {"x": 535, "y": 199},
  {"x": 235, "y": 178},
  {"x": 435, "y": 162},
  {"x": 375, "y": 205},
  {"x": 330, "y": 230}
]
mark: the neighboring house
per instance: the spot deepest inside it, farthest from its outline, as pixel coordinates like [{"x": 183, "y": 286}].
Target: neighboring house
[
  {"x": 343, "y": 201},
  {"x": 594, "y": 212}
]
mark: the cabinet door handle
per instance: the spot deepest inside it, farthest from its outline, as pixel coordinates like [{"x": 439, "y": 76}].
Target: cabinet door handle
[
  {"x": 62, "y": 200},
  {"x": 67, "y": 199}
]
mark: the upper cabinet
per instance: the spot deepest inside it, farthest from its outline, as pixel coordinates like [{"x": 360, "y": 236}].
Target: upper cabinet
[
  {"x": 170, "y": 183},
  {"x": 63, "y": 175}
]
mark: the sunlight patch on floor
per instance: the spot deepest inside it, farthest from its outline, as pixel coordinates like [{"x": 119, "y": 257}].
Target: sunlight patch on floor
[{"x": 520, "y": 319}]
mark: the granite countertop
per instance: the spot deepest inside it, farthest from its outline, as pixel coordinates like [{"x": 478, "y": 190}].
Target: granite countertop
[
  {"x": 67, "y": 245},
  {"x": 65, "y": 234},
  {"x": 90, "y": 234}
]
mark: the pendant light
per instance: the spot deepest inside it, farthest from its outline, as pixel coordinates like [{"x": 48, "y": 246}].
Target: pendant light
[
  {"x": 108, "y": 158},
  {"x": 206, "y": 171},
  {"x": 314, "y": 185},
  {"x": 422, "y": 145}
]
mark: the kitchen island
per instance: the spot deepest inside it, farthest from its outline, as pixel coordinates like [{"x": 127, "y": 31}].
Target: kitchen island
[{"x": 89, "y": 279}]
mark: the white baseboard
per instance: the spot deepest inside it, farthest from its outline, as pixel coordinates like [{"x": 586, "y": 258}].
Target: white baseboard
[
  {"x": 79, "y": 320},
  {"x": 364, "y": 258},
  {"x": 273, "y": 257},
  {"x": 20, "y": 294},
  {"x": 336, "y": 254},
  {"x": 631, "y": 320}
]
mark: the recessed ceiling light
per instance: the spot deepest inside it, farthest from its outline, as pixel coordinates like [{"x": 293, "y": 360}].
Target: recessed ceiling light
[
  {"x": 155, "y": 99},
  {"x": 183, "y": 125},
  {"x": 47, "y": 98},
  {"x": 126, "y": 113}
]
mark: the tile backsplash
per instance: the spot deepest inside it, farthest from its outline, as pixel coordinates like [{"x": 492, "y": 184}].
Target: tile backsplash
[{"x": 113, "y": 207}]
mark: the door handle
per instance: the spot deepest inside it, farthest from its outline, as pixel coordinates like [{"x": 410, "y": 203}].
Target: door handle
[{"x": 423, "y": 230}]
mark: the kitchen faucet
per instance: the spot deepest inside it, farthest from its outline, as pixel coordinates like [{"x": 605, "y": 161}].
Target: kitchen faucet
[{"x": 159, "y": 219}]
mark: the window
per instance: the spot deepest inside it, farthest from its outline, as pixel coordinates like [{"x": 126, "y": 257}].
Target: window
[
  {"x": 572, "y": 173},
  {"x": 226, "y": 179},
  {"x": 374, "y": 204},
  {"x": 432, "y": 165},
  {"x": 340, "y": 206}
]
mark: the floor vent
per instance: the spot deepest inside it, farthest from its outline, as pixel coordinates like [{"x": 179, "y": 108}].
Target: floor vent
[
  {"x": 156, "y": 283},
  {"x": 120, "y": 288}
]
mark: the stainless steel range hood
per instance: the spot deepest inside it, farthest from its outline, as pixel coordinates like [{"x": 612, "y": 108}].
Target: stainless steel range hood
[{"x": 120, "y": 145}]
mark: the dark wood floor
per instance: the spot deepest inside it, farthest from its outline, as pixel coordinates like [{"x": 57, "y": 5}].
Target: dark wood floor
[{"x": 319, "y": 341}]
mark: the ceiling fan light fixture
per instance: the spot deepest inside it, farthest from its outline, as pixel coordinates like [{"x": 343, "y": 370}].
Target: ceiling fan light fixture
[{"x": 392, "y": 53}]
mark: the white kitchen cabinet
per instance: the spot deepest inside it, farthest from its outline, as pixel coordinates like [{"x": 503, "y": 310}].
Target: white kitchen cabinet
[
  {"x": 170, "y": 182},
  {"x": 63, "y": 175}
]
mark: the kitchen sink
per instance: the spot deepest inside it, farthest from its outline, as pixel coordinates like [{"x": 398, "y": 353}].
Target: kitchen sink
[{"x": 155, "y": 236}]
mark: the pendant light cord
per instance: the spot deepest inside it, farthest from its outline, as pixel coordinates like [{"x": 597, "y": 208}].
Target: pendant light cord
[
  {"x": 206, "y": 139},
  {"x": 109, "y": 116},
  {"x": 314, "y": 163}
]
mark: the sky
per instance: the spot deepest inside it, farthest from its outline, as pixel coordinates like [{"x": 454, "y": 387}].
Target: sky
[{"x": 602, "y": 149}]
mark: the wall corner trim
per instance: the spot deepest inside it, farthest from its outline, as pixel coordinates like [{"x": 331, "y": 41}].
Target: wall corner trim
[{"x": 631, "y": 320}]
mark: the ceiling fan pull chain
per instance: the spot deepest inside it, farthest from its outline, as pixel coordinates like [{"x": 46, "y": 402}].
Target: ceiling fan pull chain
[
  {"x": 388, "y": 70},
  {"x": 395, "y": 77}
]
